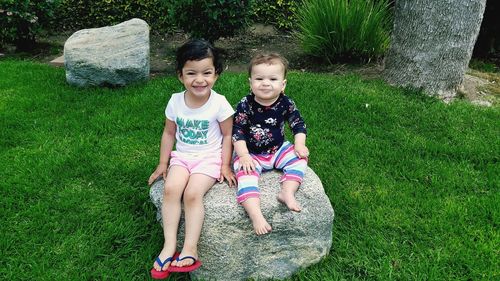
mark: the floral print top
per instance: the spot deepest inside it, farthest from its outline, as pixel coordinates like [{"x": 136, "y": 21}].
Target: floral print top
[{"x": 263, "y": 127}]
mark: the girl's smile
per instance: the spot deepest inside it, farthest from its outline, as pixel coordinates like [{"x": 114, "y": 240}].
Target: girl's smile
[{"x": 198, "y": 77}]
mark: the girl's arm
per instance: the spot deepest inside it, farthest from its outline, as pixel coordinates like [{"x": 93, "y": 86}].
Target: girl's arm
[
  {"x": 226, "y": 128},
  {"x": 166, "y": 145}
]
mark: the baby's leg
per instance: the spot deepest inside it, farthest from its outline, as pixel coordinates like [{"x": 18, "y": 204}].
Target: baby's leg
[
  {"x": 293, "y": 173},
  {"x": 260, "y": 224},
  {"x": 194, "y": 212},
  {"x": 175, "y": 184},
  {"x": 248, "y": 196},
  {"x": 287, "y": 195}
]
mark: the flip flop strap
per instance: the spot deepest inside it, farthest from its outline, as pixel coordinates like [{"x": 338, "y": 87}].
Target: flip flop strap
[
  {"x": 186, "y": 257},
  {"x": 162, "y": 263}
]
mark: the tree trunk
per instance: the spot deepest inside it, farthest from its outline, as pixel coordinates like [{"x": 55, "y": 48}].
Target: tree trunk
[{"x": 432, "y": 43}]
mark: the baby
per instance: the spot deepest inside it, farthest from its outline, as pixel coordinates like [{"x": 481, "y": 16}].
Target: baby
[{"x": 259, "y": 138}]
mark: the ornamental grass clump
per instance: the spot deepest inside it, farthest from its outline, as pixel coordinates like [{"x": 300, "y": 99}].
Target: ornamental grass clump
[{"x": 344, "y": 29}]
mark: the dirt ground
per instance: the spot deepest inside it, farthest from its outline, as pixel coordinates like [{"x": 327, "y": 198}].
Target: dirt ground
[
  {"x": 480, "y": 88},
  {"x": 237, "y": 50}
]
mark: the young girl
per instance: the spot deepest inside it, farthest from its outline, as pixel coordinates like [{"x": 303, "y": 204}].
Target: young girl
[
  {"x": 259, "y": 140},
  {"x": 199, "y": 121}
]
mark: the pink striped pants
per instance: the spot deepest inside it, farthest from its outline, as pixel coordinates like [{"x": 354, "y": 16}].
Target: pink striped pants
[{"x": 284, "y": 159}]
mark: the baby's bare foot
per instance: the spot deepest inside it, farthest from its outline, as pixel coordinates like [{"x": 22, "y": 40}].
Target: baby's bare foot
[
  {"x": 261, "y": 226},
  {"x": 289, "y": 200}
]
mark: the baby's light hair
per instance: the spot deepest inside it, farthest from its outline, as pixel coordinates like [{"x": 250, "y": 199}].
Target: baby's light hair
[{"x": 268, "y": 58}]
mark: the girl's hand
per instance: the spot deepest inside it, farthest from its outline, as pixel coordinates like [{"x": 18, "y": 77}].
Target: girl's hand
[
  {"x": 161, "y": 170},
  {"x": 247, "y": 164},
  {"x": 227, "y": 173},
  {"x": 301, "y": 151}
]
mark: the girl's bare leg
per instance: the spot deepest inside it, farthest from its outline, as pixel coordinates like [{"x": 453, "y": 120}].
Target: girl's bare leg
[
  {"x": 260, "y": 224},
  {"x": 194, "y": 213},
  {"x": 287, "y": 195},
  {"x": 177, "y": 179}
]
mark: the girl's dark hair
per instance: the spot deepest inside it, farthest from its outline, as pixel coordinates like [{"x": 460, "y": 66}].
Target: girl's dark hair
[{"x": 198, "y": 49}]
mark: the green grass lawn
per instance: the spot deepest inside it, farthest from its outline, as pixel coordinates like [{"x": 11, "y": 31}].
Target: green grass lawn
[{"x": 415, "y": 183}]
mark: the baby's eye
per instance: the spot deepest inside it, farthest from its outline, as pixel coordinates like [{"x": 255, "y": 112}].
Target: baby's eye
[
  {"x": 258, "y": 79},
  {"x": 274, "y": 79}
]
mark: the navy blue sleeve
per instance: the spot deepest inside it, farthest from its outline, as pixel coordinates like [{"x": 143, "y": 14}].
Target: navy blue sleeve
[
  {"x": 240, "y": 121},
  {"x": 295, "y": 120}
]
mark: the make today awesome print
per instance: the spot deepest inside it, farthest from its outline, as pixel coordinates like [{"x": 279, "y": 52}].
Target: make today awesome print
[{"x": 192, "y": 131}]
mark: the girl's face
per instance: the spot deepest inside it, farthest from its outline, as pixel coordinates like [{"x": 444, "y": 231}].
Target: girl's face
[
  {"x": 198, "y": 77},
  {"x": 267, "y": 82}
]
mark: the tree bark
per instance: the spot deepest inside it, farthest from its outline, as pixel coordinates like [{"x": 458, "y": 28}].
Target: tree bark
[{"x": 432, "y": 43}]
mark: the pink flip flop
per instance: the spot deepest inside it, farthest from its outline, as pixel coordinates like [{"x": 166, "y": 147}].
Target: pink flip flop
[
  {"x": 196, "y": 264},
  {"x": 158, "y": 275},
  {"x": 162, "y": 274}
]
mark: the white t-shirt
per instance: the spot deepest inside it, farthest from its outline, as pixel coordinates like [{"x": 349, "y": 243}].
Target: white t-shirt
[{"x": 198, "y": 129}]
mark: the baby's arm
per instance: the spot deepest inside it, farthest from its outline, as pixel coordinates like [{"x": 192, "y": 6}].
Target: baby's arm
[
  {"x": 240, "y": 126},
  {"x": 298, "y": 127},
  {"x": 166, "y": 145},
  {"x": 300, "y": 145},
  {"x": 226, "y": 127},
  {"x": 246, "y": 161}
]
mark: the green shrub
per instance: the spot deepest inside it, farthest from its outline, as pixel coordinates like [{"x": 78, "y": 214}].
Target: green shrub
[
  {"x": 484, "y": 66},
  {"x": 340, "y": 29},
  {"x": 79, "y": 14},
  {"x": 22, "y": 20},
  {"x": 280, "y": 13},
  {"x": 210, "y": 19}
]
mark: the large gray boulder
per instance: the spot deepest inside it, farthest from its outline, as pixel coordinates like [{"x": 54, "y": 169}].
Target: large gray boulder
[
  {"x": 229, "y": 248},
  {"x": 110, "y": 56}
]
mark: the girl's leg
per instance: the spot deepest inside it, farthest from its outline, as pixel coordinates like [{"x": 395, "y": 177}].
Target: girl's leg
[
  {"x": 177, "y": 179},
  {"x": 194, "y": 213}
]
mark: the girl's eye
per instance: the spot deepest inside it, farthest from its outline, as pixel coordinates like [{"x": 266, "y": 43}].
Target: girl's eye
[{"x": 208, "y": 73}]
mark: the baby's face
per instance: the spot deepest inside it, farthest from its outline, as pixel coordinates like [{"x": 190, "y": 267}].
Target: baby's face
[{"x": 267, "y": 82}]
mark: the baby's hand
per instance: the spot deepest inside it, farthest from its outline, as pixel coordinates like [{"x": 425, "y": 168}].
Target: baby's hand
[
  {"x": 227, "y": 173},
  {"x": 161, "y": 170},
  {"x": 301, "y": 151},
  {"x": 247, "y": 164}
]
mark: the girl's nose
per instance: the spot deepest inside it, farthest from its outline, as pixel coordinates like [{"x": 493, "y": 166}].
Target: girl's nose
[{"x": 199, "y": 79}]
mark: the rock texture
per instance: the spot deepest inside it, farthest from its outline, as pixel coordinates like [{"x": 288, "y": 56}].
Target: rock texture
[
  {"x": 230, "y": 250},
  {"x": 108, "y": 56}
]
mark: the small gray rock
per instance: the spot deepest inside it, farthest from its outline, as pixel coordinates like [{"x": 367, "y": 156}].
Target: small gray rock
[
  {"x": 110, "y": 56},
  {"x": 228, "y": 246}
]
